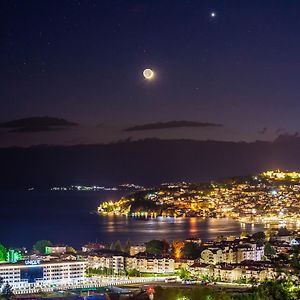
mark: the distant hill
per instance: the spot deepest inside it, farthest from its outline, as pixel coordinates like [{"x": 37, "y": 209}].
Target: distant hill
[{"x": 147, "y": 162}]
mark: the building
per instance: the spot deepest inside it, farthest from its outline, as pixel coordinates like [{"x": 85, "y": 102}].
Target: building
[
  {"x": 116, "y": 263},
  {"x": 146, "y": 263},
  {"x": 212, "y": 256},
  {"x": 142, "y": 262},
  {"x": 249, "y": 251},
  {"x": 183, "y": 263},
  {"x": 194, "y": 240},
  {"x": 137, "y": 249},
  {"x": 247, "y": 271},
  {"x": 35, "y": 274},
  {"x": 232, "y": 254},
  {"x": 57, "y": 249},
  {"x": 92, "y": 247}
]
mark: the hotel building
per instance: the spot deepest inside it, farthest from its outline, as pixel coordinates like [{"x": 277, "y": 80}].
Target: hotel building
[{"x": 35, "y": 274}]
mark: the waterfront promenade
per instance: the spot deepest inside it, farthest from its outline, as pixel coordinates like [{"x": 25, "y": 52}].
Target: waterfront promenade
[{"x": 93, "y": 283}]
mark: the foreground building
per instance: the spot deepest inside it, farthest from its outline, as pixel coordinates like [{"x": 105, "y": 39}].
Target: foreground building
[
  {"x": 35, "y": 274},
  {"x": 142, "y": 262},
  {"x": 248, "y": 271},
  {"x": 116, "y": 263},
  {"x": 146, "y": 263},
  {"x": 232, "y": 253},
  {"x": 136, "y": 249}
]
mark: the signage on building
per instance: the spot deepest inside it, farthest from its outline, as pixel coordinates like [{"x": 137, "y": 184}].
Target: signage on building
[{"x": 33, "y": 262}]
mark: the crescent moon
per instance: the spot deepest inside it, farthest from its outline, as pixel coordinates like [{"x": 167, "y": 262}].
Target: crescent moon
[{"x": 148, "y": 74}]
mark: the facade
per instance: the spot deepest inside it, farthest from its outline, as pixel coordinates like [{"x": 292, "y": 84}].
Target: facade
[
  {"x": 137, "y": 249},
  {"x": 92, "y": 247},
  {"x": 114, "y": 262},
  {"x": 183, "y": 263},
  {"x": 32, "y": 274},
  {"x": 212, "y": 256},
  {"x": 284, "y": 238},
  {"x": 232, "y": 273},
  {"x": 55, "y": 249},
  {"x": 249, "y": 252},
  {"x": 151, "y": 264},
  {"x": 142, "y": 263},
  {"x": 232, "y": 254}
]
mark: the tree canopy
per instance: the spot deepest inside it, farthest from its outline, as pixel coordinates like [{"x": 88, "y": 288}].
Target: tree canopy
[
  {"x": 191, "y": 250},
  {"x": 3, "y": 253},
  {"x": 40, "y": 246},
  {"x": 157, "y": 247}
]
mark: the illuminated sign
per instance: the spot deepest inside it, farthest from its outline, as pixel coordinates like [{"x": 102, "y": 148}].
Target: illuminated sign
[{"x": 33, "y": 262}]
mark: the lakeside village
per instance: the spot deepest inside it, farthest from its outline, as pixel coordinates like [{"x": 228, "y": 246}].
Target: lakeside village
[
  {"x": 270, "y": 198},
  {"x": 242, "y": 260}
]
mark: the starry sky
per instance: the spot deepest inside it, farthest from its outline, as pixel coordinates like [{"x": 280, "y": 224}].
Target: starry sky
[{"x": 232, "y": 76}]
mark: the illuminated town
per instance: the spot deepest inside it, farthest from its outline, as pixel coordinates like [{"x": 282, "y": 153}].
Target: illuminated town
[
  {"x": 137, "y": 271},
  {"x": 149, "y": 150},
  {"x": 271, "y": 197},
  {"x": 238, "y": 262}
]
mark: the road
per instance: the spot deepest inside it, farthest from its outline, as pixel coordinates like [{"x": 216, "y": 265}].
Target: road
[{"x": 217, "y": 285}]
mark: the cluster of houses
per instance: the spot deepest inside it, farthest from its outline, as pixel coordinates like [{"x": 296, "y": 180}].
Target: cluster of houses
[{"x": 229, "y": 260}]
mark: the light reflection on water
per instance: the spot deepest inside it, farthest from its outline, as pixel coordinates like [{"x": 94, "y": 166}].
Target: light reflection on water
[
  {"x": 141, "y": 230},
  {"x": 70, "y": 218}
]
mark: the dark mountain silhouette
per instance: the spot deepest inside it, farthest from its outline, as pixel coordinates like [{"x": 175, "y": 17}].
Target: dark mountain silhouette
[{"x": 147, "y": 162}]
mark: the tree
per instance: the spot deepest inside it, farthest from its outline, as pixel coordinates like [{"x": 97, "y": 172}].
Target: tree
[
  {"x": 295, "y": 261},
  {"x": 127, "y": 246},
  {"x": 40, "y": 246},
  {"x": 3, "y": 253},
  {"x": 177, "y": 247},
  {"x": 6, "y": 291},
  {"x": 99, "y": 271},
  {"x": 278, "y": 290},
  {"x": 118, "y": 246},
  {"x": 133, "y": 273},
  {"x": 184, "y": 274},
  {"x": 259, "y": 237},
  {"x": 70, "y": 250},
  {"x": 191, "y": 250},
  {"x": 155, "y": 247},
  {"x": 269, "y": 249}
]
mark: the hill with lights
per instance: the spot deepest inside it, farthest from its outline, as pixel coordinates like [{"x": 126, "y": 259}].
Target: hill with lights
[{"x": 269, "y": 197}]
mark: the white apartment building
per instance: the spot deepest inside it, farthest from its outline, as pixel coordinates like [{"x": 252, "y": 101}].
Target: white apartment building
[
  {"x": 231, "y": 255},
  {"x": 151, "y": 264},
  {"x": 137, "y": 249},
  {"x": 143, "y": 263},
  {"x": 114, "y": 262},
  {"x": 249, "y": 252},
  {"x": 32, "y": 274}
]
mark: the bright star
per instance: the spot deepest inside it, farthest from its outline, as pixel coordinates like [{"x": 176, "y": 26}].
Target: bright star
[{"x": 212, "y": 14}]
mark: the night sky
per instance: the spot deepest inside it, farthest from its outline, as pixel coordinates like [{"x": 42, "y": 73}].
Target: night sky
[{"x": 232, "y": 76}]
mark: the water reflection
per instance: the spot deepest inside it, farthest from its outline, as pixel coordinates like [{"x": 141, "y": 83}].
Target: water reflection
[
  {"x": 69, "y": 220},
  {"x": 141, "y": 230}
]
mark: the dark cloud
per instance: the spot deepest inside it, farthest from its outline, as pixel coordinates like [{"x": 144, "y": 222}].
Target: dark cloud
[
  {"x": 171, "y": 124},
  {"x": 263, "y": 130},
  {"x": 37, "y": 124}
]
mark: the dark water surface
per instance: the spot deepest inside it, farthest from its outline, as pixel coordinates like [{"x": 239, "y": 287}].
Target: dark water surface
[{"x": 70, "y": 217}]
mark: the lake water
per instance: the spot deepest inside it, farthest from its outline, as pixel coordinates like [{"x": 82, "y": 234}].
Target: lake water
[{"x": 71, "y": 218}]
